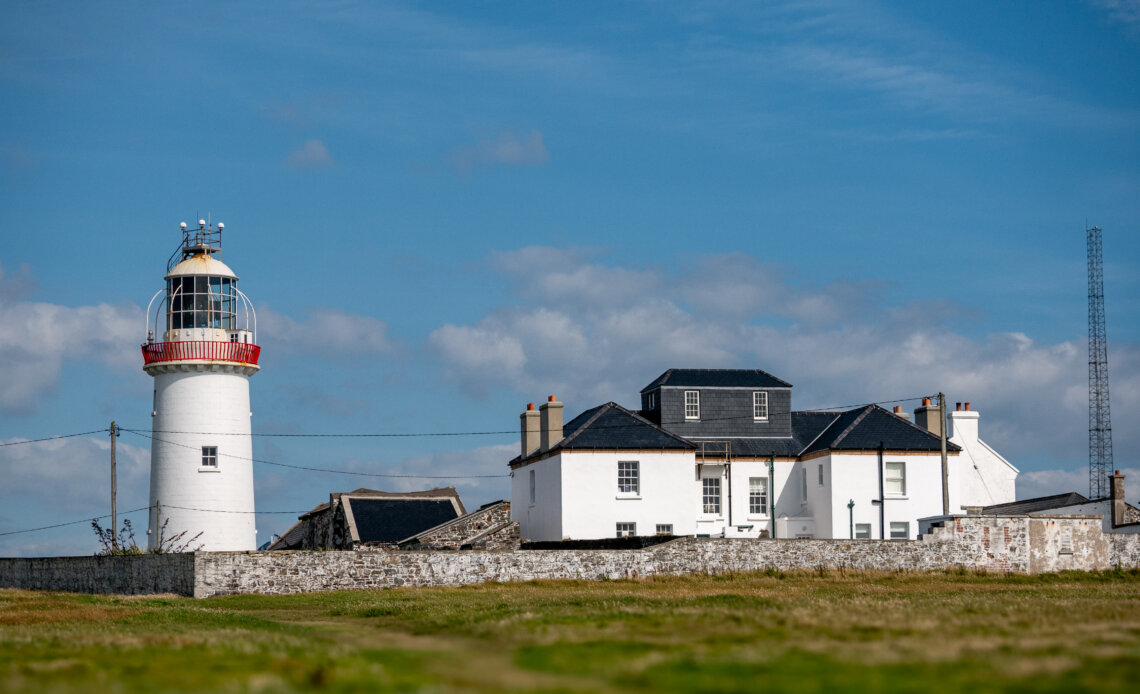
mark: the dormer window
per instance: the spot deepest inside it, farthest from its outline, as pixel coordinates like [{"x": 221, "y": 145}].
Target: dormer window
[
  {"x": 760, "y": 405},
  {"x": 692, "y": 404}
]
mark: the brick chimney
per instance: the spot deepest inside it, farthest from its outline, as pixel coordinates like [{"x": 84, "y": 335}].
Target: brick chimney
[
  {"x": 528, "y": 422},
  {"x": 1116, "y": 495},
  {"x": 550, "y": 422},
  {"x": 927, "y": 417}
]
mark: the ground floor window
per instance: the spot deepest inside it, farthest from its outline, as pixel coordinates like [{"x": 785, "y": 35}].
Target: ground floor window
[
  {"x": 862, "y": 531},
  {"x": 758, "y": 495},
  {"x": 710, "y": 495},
  {"x": 900, "y": 531},
  {"x": 626, "y": 529},
  {"x": 664, "y": 528}
]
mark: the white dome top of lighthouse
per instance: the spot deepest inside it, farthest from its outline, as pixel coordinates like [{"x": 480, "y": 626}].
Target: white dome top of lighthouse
[{"x": 201, "y": 264}]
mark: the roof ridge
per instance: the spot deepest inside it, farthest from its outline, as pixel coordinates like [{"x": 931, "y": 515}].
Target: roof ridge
[
  {"x": 599, "y": 409},
  {"x": 867, "y": 409},
  {"x": 822, "y": 431},
  {"x": 636, "y": 416}
]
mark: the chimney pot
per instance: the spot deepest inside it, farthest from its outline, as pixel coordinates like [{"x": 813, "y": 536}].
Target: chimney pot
[
  {"x": 926, "y": 402},
  {"x": 957, "y": 407},
  {"x": 530, "y": 406},
  {"x": 551, "y": 398},
  {"x": 967, "y": 406},
  {"x": 898, "y": 409}
]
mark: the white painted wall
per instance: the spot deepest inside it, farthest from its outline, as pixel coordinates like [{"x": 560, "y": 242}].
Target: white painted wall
[
  {"x": 541, "y": 520},
  {"x": 856, "y": 477},
  {"x": 212, "y": 399},
  {"x": 985, "y": 477}
]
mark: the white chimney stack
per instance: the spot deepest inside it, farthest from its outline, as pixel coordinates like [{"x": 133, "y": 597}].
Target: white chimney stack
[{"x": 550, "y": 420}]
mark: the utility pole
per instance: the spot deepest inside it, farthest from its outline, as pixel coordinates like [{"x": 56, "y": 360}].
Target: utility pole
[
  {"x": 114, "y": 510},
  {"x": 945, "y": 463},
  {"x": 1100, "y": 416}
]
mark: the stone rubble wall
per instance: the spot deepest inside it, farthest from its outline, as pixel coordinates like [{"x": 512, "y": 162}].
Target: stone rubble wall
[
  {"x": 464, "y": 529},
  {"x": 1018, "y": 544}
]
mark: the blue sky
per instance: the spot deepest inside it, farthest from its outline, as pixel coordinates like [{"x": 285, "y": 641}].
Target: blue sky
[{"x": 445, "y": 211}]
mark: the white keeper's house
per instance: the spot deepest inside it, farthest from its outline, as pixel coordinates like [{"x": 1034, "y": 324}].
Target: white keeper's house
[{"x": 721, "y": 453}]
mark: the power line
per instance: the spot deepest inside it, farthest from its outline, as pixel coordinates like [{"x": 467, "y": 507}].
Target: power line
[
  {"x": 53, "y": 438},
  {"x": 60, "y": 525},
  {"x": 318, "y": 469}
]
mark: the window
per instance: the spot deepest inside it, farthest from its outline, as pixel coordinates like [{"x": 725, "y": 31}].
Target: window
[
  {"x": 820, "y": 475},
  {"x": 629, "y": 479},
  {"x": 650, "y": 401},
  {"x": 626, "y": 529},
  {"x": 894, "y": 481},
  {"x": 1066, "y": 541},
  {"x": 862, "y": 531},
  {"x": 692, "y": 404},
  {"x": 803, "y": 485},
  {"x": 209, "y": 456},
  {"x": 758, "y": 496},
  {"x": 760, "y": 405},
  {"x": 532, "y": 487},
  {"x": 900, "y": 531},
  {"x": 664, "y": 528},
  {"x": 710, "y": 495}
]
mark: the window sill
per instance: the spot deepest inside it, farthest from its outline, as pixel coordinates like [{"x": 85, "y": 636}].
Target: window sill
[
  {"x": 208, "y": 469},
  {"x": 628, "y": 497},
  {"x": 897, "y": 498},
  {"x": 756, "y": 518}
]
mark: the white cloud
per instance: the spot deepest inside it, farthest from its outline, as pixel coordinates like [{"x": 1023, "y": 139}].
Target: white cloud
[
  {"x": 506, "y": 149},
  {"x": 312, "y": 155},
  {"x": 36, "y": 339},
  {"x": 325, "y": 332},
  {"x": 1125, "y": 12},
  {"x": 839, "y": 343}
]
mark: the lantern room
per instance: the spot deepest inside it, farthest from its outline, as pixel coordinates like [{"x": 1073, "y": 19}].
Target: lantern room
[{"x": 200, "y": 305}]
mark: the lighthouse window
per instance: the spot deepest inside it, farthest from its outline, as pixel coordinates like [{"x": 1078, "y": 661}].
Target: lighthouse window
[{"x": 209, "y": 456}]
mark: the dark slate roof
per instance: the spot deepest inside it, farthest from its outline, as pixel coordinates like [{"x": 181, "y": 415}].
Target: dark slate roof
[
  {"x": 865, "y": 428},
  {"x": 717, "y": 378},
  {"x": 380, "y": 519},
  {"x": 806, "y": 426},
  {"x": 291, "y": 539},
  {"x": 1041, "y": 503},
  {"x": 612, "y": 427}
]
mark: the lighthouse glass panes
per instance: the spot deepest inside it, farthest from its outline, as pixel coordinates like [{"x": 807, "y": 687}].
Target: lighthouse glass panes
[{"x": 202, "y": 302}]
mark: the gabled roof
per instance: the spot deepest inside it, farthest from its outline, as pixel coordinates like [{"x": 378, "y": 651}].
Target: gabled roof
[
  {"x": 391, "y": 519},
  {"x": 717, "y": 378},
  {"x": 1041, "y": 503},
  {"x": 865, "y": 428},
  {"x": 612, "y": 427},
  {"x": 806, "y": 427}
]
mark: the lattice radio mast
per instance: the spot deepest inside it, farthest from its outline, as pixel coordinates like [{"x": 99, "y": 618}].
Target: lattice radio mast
[{"x": 1100, "y": 417}]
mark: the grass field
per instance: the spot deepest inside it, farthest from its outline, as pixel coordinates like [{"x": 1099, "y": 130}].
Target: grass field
[{"x": 751, "y": 633}]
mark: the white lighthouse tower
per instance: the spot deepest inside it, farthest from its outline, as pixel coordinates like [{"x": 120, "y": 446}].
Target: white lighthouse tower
[{"x": 201, "y": 348}]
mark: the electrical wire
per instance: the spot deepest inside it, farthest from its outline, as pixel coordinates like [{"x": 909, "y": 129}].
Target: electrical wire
[
  {"x": 53, "y": 438},
  {"x": 60, "y": 525}
]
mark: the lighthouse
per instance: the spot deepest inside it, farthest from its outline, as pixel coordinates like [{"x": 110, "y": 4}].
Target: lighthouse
[{"x": 201, "y": 349}]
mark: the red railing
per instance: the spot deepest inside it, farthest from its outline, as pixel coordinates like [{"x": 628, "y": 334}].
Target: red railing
[{"x": 200, "y": 351}]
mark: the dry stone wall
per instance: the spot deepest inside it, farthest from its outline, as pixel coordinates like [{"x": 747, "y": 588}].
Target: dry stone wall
[{"x": 1020, "y": 544}]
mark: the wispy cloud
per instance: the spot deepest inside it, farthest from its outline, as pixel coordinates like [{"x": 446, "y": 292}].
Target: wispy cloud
[
  {"x": 1126, "y": 12},
  {"x": 506, "y": 149},
  {"x": 312, "y": 155},
  {"x": 325, "y": 332}
]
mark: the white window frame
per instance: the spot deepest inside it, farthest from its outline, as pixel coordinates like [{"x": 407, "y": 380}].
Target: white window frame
[
  {"x": 760, "y": 405},
  {"x": 900, "y": 530},
  {"x": 626, "y": 529},
  {"x": 894, "y": 479},
  {"x": 210, "y": 457},
  {"x": 531, "y": 487},
  {"x": 757, "y": 496},
  {"x": 692, "y": 404},
  {"x": 862, "y": 531},
  {"x": 708, "y": 499},
  {"x": 629, "y": 478},
  {"x": 664, "y": 528}
]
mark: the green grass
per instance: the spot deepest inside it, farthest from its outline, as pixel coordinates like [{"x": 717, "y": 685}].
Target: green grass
[{"x": 771, "y": 632}]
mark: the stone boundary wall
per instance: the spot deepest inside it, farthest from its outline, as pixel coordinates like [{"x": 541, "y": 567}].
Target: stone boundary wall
[{"x": 1019, "y": 544}]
